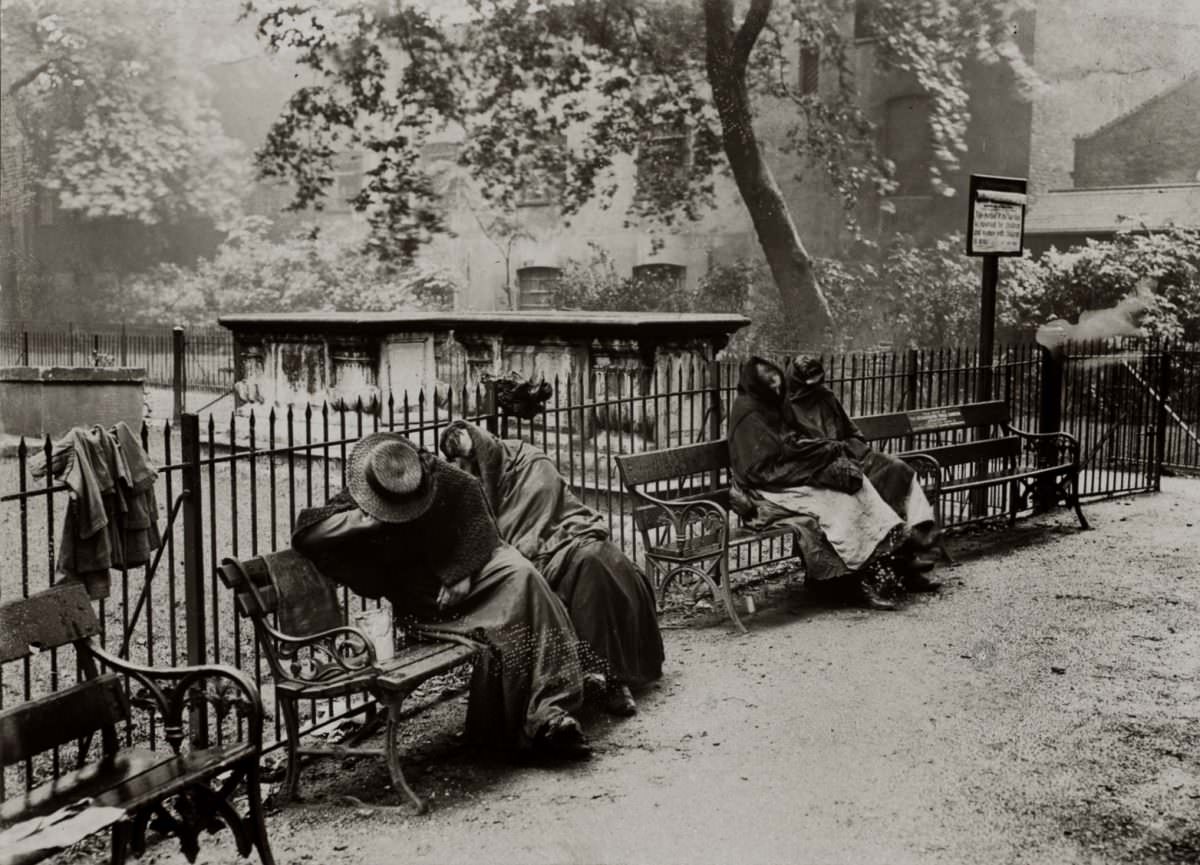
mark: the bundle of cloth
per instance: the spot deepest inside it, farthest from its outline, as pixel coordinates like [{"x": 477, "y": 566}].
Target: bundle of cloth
[
  {"x": 610, "y": 600},
  {"x": 798, "y": 459},
  {"x": 419, "y": 532},
  {"x": 112, "y": 516}
]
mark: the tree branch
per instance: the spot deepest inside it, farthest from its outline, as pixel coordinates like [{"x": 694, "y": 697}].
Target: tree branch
[
  {"x": 747, "y": 35},
  {"x": 29, "y": 76}
]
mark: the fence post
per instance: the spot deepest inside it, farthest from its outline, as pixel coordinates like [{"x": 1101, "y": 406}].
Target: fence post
[
  {"x": 70, "y": 343},
  {"x": 490, "y": 409},
  {"x": 25, "y": 347},
  {"x": 193, "y": 564},
  {"x": 95, "y": 349},
  {"x": 1161, "y": 419},
  {"x": 124, "y": 344},
  {"x": 179, "y": 376},
  {"x": 912, "y": 386},
  {"x": 715, "y": 411},
  {"x": 1050, "y": 419}
]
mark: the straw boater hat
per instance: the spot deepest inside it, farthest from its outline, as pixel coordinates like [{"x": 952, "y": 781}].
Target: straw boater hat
[{"x": 387, "y": 479}]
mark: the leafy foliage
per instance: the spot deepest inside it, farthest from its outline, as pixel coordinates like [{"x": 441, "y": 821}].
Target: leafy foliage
[
  {"x": 923, "y": 295},
  {"x": 252, "y": 273},
  {"x": 117, "y": 117},
  {"x": 562, "y": 90}
]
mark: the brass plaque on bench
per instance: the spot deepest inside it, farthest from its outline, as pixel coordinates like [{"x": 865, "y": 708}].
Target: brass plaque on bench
[{"x": 935, "y": 419}]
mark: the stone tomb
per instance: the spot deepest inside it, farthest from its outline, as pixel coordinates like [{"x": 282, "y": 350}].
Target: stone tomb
[{"x": 433, "y": 359}]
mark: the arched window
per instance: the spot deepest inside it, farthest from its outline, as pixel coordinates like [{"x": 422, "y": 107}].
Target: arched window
[
  {"x": 908, "y": 142},
  {"x": 536, "y": 287}
]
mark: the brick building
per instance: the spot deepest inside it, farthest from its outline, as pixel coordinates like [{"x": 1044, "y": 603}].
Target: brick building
[{"x": 1157, "y": 142}]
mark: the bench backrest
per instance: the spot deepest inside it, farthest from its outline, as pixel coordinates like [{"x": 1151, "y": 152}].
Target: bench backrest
[
  {"x": 304, "y": 601},
  {"x": 932, "y": 420},
  {"x": 49, "y": 620},
  {"x": 671, "y": 463}
]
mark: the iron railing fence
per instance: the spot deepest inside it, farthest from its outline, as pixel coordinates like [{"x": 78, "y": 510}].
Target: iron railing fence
[
  {"x": 247, "y": 476},
  {"x": 208, "y": 356}
]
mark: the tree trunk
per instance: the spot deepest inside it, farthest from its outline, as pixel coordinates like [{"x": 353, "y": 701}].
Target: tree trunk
[{"x": 791, "y": 266}]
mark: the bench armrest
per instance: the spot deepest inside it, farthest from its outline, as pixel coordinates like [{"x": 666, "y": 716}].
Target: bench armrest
[
  {"x": 338, "y": 652},
  {"x": 1059, "y": 447},
  {"x": 172, "y": 689},
  {"x": 680, "y": 514},
  {"x": 929, "y": 472}
]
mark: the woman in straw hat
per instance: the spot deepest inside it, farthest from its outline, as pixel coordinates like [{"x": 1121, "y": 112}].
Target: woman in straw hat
[
  {"x": 610, "y": 600},
  {"x": 418, "y": 531}
]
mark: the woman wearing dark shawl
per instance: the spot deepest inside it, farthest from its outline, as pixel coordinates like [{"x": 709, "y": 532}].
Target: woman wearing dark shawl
[
  {"x": 815, "y": 414},
  {"x": 610, "y": 601},
  {"x": 782, "y": 477},
  {"x": 418, "y": 531}
]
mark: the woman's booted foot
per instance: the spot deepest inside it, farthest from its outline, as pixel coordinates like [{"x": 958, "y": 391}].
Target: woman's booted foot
[
  {"x": 870, "y": 597},
  {"x": 618, "y": 700},
  {"x": 562, "y": 739}
]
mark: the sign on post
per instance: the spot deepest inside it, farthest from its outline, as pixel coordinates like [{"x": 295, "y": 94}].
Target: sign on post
[{"x": 996, "y": 223}]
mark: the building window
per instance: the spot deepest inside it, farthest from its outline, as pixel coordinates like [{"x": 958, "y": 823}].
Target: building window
[
  {"x": 347, "y": 182},
  {"x": 662, "y": 160},
  {"x": 908, "y": 142},
  {"x": 810, "y": 69},
  {"x": 864, "y": 19},
  {"x": 542, "y": 181},
  {"x": 537, "y": 189},
  {"x": 665, "y": 278},
  {"x": 537, "y": 287}
]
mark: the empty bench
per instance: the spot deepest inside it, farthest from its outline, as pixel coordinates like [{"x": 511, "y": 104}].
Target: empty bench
[
  {"x": 124, "y": 789},
  {"x": 314, "y": 656},
  {"x": 684, "y": 516}
]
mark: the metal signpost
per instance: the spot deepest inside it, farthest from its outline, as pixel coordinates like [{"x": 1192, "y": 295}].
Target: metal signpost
[{"x": 995, "y": 227}]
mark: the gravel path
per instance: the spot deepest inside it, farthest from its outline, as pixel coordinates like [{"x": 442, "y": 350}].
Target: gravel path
[{"x": 1044, "y": 708}]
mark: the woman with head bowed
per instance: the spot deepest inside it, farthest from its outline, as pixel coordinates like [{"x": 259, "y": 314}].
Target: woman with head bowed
[
  {"x": 418, "y": 531},
  {"x": 797, "y": 458},
  {"x": 610, "y": 601}
]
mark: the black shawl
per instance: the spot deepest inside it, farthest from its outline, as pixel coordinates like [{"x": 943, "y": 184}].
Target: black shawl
[
  {"x": 407, "y": 563},
  {"x": 813, "y": 412},
  {"x": 761, "y": 453}
]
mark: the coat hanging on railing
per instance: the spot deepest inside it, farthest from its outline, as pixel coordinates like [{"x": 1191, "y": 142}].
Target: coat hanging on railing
[
  {"x": 520, "y": 397},
  {"x": 112, "y": 518}
]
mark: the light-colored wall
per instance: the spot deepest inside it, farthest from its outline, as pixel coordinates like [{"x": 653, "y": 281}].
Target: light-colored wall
[{"x": 1098, "y": 60}]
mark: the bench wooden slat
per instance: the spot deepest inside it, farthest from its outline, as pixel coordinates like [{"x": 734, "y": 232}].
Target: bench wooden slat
[
  {"x": 931, "y": 420},
  {"x": 62, "y": 717},
  {"x": 672, "y": 463},
  {"x": 132, "y": 778},
  {"x": 59, "y": 615},
  {"x": 969, "y": 452},
  {"x": 413, "y": 672},
  {"x": 994, "y": 478}
]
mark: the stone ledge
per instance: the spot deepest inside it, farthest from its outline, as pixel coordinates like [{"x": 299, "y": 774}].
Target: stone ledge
[{"x": 71, "y": 374}]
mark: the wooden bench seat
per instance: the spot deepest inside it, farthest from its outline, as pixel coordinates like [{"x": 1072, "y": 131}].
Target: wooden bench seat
[{"x": 199, "y": 780}]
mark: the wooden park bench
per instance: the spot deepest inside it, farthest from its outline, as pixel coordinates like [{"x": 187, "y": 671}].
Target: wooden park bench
[
  {"x": 328, "y": 660},
  {"x": 125, "y": 788},
  {"x": 688, "y": 530}
]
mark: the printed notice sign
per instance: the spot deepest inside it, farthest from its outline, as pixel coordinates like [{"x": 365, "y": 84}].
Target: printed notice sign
[
  {"x": 996, "y": 219},
  {"x": 997, "y": 227}
]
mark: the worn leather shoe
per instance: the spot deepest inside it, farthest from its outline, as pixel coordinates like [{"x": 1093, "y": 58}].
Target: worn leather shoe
[
  {"x": 619, "y": 701},
  {"x": 562, "y": 739},
  {"x": 870, "y": 598}
]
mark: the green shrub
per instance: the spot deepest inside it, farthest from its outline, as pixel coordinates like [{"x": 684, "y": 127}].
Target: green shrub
[{"x": 252, "y": 273}]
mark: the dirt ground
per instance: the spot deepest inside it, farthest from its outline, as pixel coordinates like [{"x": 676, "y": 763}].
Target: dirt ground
[{"x": 1045, "y": 707}]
